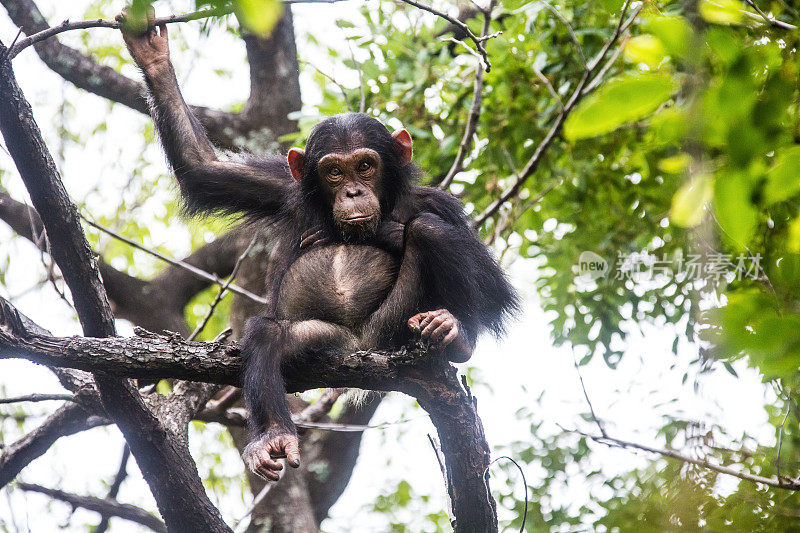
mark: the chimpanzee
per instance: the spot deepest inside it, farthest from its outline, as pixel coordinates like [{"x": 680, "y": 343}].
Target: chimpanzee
[{"x": 366, "y": 258}]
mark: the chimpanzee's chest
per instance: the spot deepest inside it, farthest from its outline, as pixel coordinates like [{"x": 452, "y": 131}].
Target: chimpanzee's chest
[{"x": 343, "y": 284}]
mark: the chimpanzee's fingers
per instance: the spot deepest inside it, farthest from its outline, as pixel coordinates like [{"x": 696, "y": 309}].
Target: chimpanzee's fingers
[
  {"x": 432, "y": 325},
  {"x": 439, "y": 333},
  {"x": 293, "y": 452},
  {"x": 430, "y": 315},
  {"x": 450, "y": 337},
  {"x": 267, "y": 462},
  {"x": 268, "y": 474},
  {"x": 414, "y": 322},
  {"x": 310, "y": 238},
  {"x": 162, "y": 30}
]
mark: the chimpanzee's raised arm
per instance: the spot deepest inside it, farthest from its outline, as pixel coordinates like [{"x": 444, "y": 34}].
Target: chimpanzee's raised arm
[{"x": 254, "y": 187}]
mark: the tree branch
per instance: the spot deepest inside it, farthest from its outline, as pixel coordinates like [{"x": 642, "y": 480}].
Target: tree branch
[
  {"x": 69, "y": 419},
  {"x": 577, "y": 94},
  {"x": 427, "y": 377},
  {"x": 461, "y": 26},
  {"x": 783, "y": 483},
  {"x": 107, "y": 508},
  {"x": 474, "y": 112},
  {"x": 113, "y": 491},
  {"x": 168, "y": 468}
]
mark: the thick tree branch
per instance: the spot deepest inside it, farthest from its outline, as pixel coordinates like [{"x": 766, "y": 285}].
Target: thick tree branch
[
  {"x": 108, "y": 508},
  {"x": 425, "y": 376},
  {"x": 168, "y": 469},
  {"x": 87, "y": 74}
]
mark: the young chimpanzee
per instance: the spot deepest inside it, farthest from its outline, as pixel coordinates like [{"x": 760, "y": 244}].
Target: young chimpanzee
[{"x": 366, "y": 258}]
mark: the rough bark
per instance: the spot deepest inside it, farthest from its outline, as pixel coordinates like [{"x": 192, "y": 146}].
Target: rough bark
[
  {"x": 169, "y": 470},
  {"x": 226, "y": 130},
  {"x": 430, "y": 379}
]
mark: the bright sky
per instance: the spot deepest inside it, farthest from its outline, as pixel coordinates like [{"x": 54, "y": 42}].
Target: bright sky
[{"x": 632, "y": 399}]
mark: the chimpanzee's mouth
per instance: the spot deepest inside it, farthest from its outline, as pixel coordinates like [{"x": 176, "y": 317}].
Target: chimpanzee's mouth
[{"x": 358, "y": 219}]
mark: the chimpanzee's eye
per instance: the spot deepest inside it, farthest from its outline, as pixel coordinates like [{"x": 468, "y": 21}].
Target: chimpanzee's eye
[
  {"x": 335, "y": 171},
  {"x": 363, "y": 166}
]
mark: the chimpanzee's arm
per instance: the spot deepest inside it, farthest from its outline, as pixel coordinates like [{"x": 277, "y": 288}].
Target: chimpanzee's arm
[
  {"x": 258, "y": 188},
  {"x": 411, "y": 293}
]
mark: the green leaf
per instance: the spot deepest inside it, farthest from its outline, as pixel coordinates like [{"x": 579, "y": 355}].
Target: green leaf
[
  {"x": 783, "y": 179},
  {"x": 675, "y": 164},
  {"x": 647, "y": 49},
  {"x": 619, "y": 102},
  {"x": 687, "y": 204},
  {"x": 259, "y": 16},
  {"x": 722, "y": 11},
  {"x": 734, "y": 210},
  {"x": 675, "y": 33}
]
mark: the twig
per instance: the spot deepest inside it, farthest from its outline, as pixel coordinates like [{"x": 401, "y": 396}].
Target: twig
[
  {"x": 39, "y": 398},
  {"x": 586, "y": 395},
  {"x": 223, "y": 290},
  {"x": 549, "y": 86},
  {"x": 213, "y": 278},
  {"x": 113, "y": 24},
  {"x": 572, "y": 35},
  {"x": 780, "y": 440},
  {"x": 524, "y": 484},
  {"x": 460, "y": 25},
  {"x": 788, "y": 484},
  {"x": 333, "y": 80},
  {"x": 769, "y": 20},
  {"x": 544, "y": 144},
  {"x": 113, "y": 491},
  {"x": 474, "y": 113},
  {"x": 244, "y": 523}
]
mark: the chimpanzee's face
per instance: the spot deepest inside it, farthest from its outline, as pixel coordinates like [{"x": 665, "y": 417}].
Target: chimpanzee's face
[{"x": 351, "y": 181}]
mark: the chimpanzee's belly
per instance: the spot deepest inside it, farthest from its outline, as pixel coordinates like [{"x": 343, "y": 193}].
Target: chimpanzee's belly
[{"x": 342, "y": 284}]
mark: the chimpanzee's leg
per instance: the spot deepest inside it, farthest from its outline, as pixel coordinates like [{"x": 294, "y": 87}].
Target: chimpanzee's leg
[{"x": 266, "y": 345}]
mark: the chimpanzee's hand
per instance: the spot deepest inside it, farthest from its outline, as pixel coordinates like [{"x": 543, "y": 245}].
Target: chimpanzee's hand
[
  {"x": 390, "y": 235},
  {"x": 148, "y": 46},
  {"x": 312, "y": 237},
  {"x": 260, "y": 455},
  {"x": 439, "y": 328}
]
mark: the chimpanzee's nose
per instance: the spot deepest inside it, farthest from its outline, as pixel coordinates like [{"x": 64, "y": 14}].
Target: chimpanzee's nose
[{"x": 352, "y": 192}]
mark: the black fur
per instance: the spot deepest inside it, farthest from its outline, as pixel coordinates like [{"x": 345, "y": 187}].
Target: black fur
[{"x": 435, "y": 259}]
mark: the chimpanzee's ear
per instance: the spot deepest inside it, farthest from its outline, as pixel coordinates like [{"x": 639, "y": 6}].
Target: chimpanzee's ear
[
  {"x": 402, "y": 139},
  {"x": 297, "y": 160}
]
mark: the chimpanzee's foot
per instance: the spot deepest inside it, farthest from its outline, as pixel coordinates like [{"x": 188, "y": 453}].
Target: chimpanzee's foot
[
  {"x": 438, "y": 328},
  {"x": 261, "y": 454}
]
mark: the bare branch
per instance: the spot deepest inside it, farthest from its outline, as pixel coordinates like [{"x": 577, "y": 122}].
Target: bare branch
[
  {"x": 788, "y": 484},
  {"x": 474, "y": 113},
  {"x": 223, "y": 289},
  {"x": 549, "y": 86},
  {"x": 769, "y": 20},
  {"x": 458, "y": 24},
  {"x": 106, "y": 507},
  {"x": 113, "y": 491},
  {"x": 113, "y": 24},
  {"x": 67, "y": 420},
  {"x": 38, "y": 398},
  {"x": 213, "y": 278}
]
